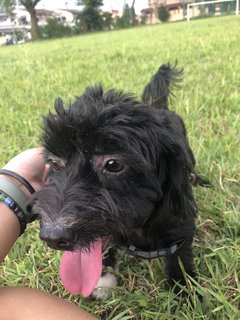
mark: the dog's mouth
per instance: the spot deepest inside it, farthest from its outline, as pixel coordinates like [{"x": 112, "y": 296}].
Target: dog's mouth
[
  {"x": 81, "y": 265},
  {"x": 62, "y": 245},
  {"x": 81, "y": 269}
]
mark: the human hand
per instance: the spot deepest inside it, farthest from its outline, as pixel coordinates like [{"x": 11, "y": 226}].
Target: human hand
[{"x": 31, "y": 166}]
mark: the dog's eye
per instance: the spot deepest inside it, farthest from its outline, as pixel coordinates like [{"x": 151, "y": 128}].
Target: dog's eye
[
  {"x": 114, "y": 166},
  {"x": 54, "y": 164}
]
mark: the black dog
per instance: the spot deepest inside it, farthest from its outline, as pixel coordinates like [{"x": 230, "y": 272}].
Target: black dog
[{"x": 121, "y": 173}]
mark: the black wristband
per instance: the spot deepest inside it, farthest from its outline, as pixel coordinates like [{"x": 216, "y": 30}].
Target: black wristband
[{"x": 16, "y": 176}]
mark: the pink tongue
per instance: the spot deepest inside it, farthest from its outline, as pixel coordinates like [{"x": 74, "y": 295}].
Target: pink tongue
[{"x": 80, "y": 271}]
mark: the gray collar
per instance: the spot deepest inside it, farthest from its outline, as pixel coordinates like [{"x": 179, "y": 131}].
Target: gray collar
[{"x": 154, "y": 254}]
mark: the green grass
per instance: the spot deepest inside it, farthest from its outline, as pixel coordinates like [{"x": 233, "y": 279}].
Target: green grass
[{"x": 33, "y": 75}]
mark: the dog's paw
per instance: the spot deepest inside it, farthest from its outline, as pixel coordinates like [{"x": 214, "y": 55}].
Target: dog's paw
[{"x": 104, "y": 286}]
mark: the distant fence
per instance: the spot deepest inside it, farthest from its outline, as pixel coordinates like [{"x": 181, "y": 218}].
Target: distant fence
[{"x": 211, "y": 8}]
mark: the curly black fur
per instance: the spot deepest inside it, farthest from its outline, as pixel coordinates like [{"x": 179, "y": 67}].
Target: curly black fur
[{"x": 120, "y": 168}]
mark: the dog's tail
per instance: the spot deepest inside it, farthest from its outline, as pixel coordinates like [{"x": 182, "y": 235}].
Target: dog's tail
[{"x": 157, "y": 91}]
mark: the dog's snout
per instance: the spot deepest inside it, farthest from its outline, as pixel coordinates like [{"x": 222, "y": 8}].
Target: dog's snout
[{"x": 56, "y": 237}]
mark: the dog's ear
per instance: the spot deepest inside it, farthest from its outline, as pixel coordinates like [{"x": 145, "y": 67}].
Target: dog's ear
[
  {"x": 58, "y": 130},
  {"x": 177, "y": 189}
]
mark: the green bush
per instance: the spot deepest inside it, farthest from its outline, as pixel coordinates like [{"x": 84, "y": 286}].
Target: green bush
[
  {"x": 163, "y": 14},
  {"x": 55, "y": 29}
]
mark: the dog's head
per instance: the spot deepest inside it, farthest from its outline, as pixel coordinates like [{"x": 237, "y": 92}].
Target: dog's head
[{"x": 117, "y": 165}]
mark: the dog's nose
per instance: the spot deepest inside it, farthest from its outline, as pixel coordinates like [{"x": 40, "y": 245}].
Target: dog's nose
[{"x": 56, "y": 237}]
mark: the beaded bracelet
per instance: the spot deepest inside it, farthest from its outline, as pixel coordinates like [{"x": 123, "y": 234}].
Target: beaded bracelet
[
  {"x": 16, "y": 209},
  {"x": 18, "y": 196}
]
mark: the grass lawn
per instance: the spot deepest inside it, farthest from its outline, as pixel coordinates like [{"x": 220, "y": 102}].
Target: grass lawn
[{"x": 33, "y": 75}]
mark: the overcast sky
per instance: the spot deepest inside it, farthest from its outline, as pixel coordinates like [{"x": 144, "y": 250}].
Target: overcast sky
[{"x": 108, "y": 4}]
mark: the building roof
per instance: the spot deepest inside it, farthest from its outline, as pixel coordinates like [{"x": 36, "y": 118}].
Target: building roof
[{"x": 147, "y": 11}]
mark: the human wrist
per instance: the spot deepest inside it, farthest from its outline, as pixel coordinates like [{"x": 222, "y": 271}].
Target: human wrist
[
  {"x": 13, "y": 196},
  {"x": 9, "y": 230}
]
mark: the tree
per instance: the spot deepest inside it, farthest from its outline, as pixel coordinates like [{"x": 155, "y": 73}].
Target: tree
[
  {"x": 133, "y": 14},
  {"x": 8, "y": 5},
  {"x": 107, "y": 20},
  {"x": 125, "y": 20},
  {"x": 30, "y": 6},
  {"x": 90, "y": 17}
]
